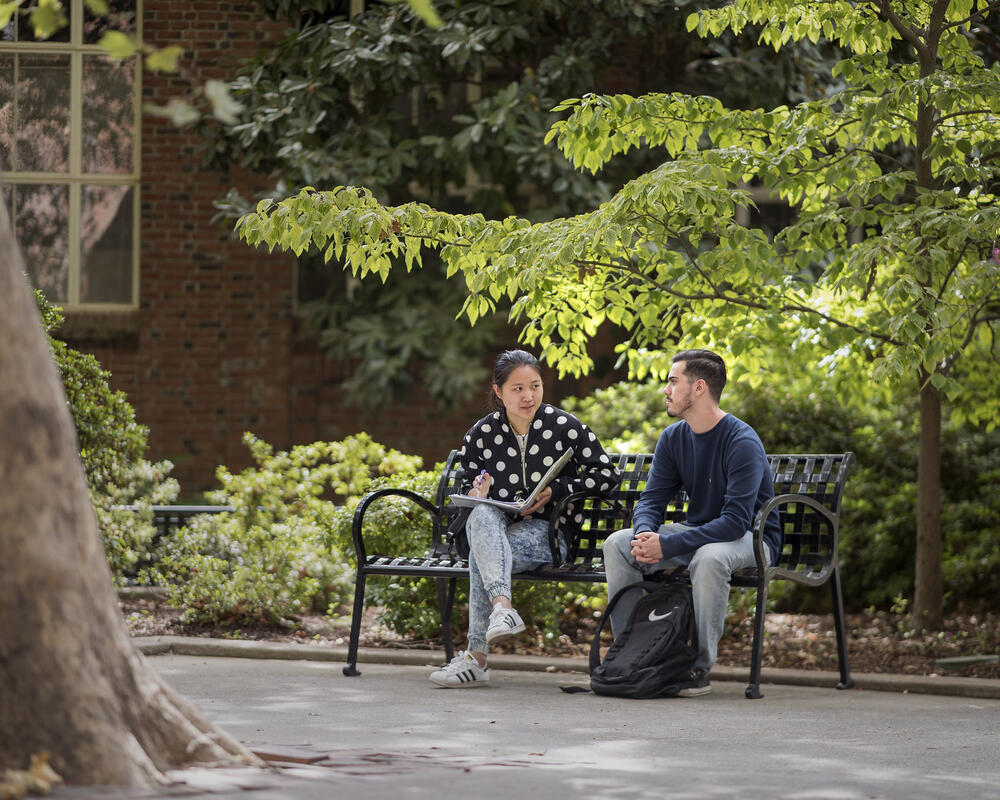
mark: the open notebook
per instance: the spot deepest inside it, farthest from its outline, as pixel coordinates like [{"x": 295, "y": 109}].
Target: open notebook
[{"x": 518, "y": 505}]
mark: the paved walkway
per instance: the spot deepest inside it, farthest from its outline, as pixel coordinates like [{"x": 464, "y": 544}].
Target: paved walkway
[{"x": 391, "y": 734}]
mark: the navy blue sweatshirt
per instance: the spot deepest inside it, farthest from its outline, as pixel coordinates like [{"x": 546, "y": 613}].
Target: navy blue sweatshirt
[{"x": 727, "y": 479}]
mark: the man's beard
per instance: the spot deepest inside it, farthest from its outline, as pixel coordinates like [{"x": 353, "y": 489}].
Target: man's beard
[{"x": 680, "y": 412}]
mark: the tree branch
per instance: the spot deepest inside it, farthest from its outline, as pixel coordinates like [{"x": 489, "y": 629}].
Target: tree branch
[
  {"x": 743, "y": 302},
  {"x": 974, "y": 323},
  {"x": 905, "y": 31},
  {"x": 974, "y": 15},
  {"x": 966, "y": 113},
  {"x": 951, "y": 271}
]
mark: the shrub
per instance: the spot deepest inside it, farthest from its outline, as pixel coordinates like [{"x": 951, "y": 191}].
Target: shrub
[
  {"x": 273, "y": 557},
  {"x": 112, "y": 445}
]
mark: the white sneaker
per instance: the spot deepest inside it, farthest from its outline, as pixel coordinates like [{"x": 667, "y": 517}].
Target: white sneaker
[
  {"x": 504, "y": 622},
  {"x": 463, "y": 670}
]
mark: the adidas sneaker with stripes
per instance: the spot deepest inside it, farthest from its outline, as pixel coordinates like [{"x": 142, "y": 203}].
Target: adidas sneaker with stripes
[{"x": 463, "y": 670}]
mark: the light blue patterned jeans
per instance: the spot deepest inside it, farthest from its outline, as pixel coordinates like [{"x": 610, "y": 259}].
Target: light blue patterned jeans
[
  {"x": 711, "y": 567},
  {"x": 498, "y": 547}
]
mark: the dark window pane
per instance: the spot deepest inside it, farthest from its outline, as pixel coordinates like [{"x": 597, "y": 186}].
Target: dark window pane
[
  {"x": 41, "y": 225},
  {"x": 120, "y": 17},
  {"x": 108, "y": 115},
  {"x": 6, "y": 111},
  {"x": 106, "y": 244}
]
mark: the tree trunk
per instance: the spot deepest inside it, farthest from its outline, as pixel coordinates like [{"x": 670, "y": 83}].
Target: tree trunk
[
  {"x": 71, "y": 681},
  {"x": 928, "y": 594}
]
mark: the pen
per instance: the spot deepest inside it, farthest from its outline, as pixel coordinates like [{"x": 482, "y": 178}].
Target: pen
[{"x": 479, "y": 480}]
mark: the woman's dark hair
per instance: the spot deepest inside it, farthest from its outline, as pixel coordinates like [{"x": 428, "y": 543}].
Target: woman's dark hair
[
  {"x": 706, "y": 365},
  {"x": 507, "y": 362}
]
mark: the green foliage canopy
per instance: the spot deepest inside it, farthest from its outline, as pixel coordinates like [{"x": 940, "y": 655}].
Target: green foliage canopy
[
  {"x": 889, "y": 265},
  {"x": 457, "y": 116}
]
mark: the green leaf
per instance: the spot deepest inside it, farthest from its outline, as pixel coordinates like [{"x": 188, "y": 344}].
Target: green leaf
[
  {"x": 118, "y": 45},
  {"x": 47, "y": 18},
  {"x": 7, "y": 11},
  {"x": 165, "y": 59},
  {"x": 177, "y": 111},
  {"x": 425, "y": 10},
  {"x": 224, "y": 107}
]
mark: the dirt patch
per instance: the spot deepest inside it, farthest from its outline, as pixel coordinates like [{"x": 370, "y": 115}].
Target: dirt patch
[{"x": 879, "y": 642}]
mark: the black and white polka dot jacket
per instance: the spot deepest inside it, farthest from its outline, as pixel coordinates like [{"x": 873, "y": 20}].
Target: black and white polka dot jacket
[{"x": 491, "y": 444}]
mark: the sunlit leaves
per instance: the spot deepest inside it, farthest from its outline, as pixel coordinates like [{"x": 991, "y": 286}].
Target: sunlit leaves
[
  {"x": 426, "y": 11},
  {"x": 883, "y": 269},
  {"x": 166, "y": 59},
  {"x": 118, "y": 45},
  {"x": 47, "y": 17},
  {"x": 179, "y": 112},
  {"x": 7, "y": 11},
  {"x": 224, "y": 107}
]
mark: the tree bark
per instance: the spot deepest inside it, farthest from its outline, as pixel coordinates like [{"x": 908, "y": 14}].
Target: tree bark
[
  {"x": 928, "y": 608},
  {"x": 71, "y": 681},
  {"x": 928, "y": 590}
]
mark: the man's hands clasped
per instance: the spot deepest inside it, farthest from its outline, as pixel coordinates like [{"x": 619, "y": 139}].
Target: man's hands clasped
[{"x": 646, "y": 547}]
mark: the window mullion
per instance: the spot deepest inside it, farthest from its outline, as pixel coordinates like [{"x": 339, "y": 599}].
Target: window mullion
[
  {"x": 76, "y": 22},
  {"x": 75, "y": 170}
]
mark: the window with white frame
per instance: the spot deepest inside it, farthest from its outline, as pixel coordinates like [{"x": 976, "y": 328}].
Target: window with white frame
[{"x": 69, "y": 156}]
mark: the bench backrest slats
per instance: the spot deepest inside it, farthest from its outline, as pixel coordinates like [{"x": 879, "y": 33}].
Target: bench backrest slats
[
  {"x": 451, "y": 478},
  {"x": 809, "y": 539},
  {"x": 809, "y": 544}
]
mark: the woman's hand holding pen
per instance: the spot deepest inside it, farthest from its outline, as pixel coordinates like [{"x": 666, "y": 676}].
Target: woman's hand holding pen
[{"x": 481, "y": 485}]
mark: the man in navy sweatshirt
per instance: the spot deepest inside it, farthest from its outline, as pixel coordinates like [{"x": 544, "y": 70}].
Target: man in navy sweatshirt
[{"x": 720, "y": 462}]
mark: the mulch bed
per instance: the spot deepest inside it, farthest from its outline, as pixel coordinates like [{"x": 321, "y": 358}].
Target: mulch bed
[{"x": 879, "y": 642}]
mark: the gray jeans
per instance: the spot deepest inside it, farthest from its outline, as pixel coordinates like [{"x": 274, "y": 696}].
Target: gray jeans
[
  {"x": 498, "y": 547},
  {"x": 711, "y": 567}
]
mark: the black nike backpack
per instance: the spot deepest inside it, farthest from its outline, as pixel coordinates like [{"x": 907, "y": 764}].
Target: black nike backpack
[{"x": 656, "y": 650}]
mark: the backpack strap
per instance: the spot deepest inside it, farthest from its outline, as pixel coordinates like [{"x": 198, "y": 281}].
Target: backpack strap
[{"x": 595, "y": 645}]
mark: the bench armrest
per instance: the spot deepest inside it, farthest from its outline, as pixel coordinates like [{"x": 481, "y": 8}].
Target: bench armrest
[
  {"x": 359, "y": 514},
  {"x": 829, "y": 557}
]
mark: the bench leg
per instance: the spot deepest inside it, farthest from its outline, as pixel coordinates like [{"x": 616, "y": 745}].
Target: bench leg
[
  {"x": 446, "y": 601},
  {"x": 841, "y": 628},
  {"x": 757, "y": 651},
  {"x": 351, "y": 668}
]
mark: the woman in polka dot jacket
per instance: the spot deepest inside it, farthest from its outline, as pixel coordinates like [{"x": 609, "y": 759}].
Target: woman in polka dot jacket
[{"x": 504, "y": 455}]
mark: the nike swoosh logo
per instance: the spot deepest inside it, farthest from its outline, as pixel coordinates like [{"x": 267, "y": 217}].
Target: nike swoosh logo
[{"x": 653, "y": 616}]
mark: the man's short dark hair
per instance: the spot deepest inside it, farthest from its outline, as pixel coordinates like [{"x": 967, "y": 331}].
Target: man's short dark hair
[{"x": 706, "y": 365}]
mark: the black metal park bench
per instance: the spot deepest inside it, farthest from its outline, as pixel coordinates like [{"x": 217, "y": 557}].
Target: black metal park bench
[{"x": 808, "y": 491}]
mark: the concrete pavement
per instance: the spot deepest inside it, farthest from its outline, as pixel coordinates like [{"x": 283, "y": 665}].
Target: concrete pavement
[{"x": 390, "y": 733}]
